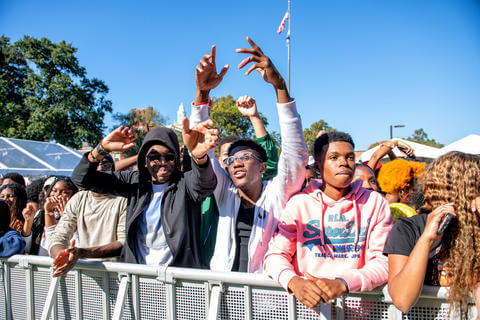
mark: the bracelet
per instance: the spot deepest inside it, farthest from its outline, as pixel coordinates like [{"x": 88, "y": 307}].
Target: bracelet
[
  {"x": 195, "y": 158},
  {"x": 101, "y": 150},
  {"x": 94, "y": 159},
  {"x": 346, "y": 285}
]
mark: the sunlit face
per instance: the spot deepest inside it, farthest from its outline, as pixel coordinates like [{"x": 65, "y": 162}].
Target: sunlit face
[
  {"x": 8, "y": 196},
  {"x": 246, "y": 174},
  {"x": 336, "y": 164},
  {"x": 369, "y": 181},
  {"x": 224, "y": 153},
  {"x": 61, "y": 189},
  {"x": 160, "y": 163}
]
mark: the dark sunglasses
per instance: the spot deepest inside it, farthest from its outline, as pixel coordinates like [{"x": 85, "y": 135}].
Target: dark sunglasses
[{"x": 160, "y": 157}]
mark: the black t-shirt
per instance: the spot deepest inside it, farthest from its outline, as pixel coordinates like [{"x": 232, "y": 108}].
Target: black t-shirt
[
  {"x": 243, "y": 231},
  {"x": 402, "y": 240}
]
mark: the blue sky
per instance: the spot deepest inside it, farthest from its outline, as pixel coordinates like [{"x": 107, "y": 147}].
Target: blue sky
[{"x": 359, "y": 65}]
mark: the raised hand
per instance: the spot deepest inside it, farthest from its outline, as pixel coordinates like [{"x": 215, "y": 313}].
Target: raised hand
[
  {"x": 404, "y": 148},
  {"x": 206, "y": 76},
  {"x": 120, "y": 139},
  {"x": 200, "y": 139},
  {"x": 262, "y": 64},
  {"x": 433, "y": 221},
  {"x": 247, "y": 106},
  {"x": 28, "y": 214}
]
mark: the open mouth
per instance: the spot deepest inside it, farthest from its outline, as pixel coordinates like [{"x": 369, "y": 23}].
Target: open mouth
[{"x": 239, "y": 174}]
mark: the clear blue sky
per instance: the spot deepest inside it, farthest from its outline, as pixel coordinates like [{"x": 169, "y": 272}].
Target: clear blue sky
[{"x": 359, "y": 65}]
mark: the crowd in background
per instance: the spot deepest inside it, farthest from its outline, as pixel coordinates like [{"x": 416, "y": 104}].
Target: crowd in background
[{"x": 320, "y": 225}]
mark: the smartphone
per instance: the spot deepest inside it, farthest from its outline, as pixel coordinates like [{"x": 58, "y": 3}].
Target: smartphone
[{"x": 444, "y": 223}]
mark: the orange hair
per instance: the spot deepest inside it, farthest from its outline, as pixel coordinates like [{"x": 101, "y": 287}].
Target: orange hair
[{"x": 399, "y": 174}]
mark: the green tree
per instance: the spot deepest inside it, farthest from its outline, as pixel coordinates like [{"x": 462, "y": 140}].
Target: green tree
[
  {"x": 141, "y": 121},
  {"x": 421, "y": 136},
  {"x": 310, "y": 134},
  {"x": 226, "y": 116},
  {"x": 45, "y": 94}
]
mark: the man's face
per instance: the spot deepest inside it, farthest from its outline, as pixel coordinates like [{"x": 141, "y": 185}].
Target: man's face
[
  {"x": 160, "y": 163},
  {"x": 224, "y": 154},
  {"x": 246, "y": 173},
  {"x": 336, "y": 164},
  {"x": 368, "y": 178}
]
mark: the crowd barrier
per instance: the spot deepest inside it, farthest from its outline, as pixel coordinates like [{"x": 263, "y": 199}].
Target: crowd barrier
[{"x": 95, "y": 290}]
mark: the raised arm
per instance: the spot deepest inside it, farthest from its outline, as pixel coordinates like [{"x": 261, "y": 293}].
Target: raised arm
[
  {"x": 386, "y": 147},
  {"x": 294, "y": 156}
]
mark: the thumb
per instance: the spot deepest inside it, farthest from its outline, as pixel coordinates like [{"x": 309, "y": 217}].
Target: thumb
[
  {"x": 310, "y": 277},
  {"x": 185, "y": 125}
]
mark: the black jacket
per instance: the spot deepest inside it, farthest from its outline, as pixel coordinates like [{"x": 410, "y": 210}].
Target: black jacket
[{"x": 181, "y": 202}]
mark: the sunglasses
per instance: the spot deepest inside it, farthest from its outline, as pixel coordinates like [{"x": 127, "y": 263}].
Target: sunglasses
[
  {"x": 155, "y": 157},
  {"x": 242, "y": 157}
]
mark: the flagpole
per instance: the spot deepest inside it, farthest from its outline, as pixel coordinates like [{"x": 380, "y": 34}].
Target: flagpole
[{"x": 288, "y": 44}]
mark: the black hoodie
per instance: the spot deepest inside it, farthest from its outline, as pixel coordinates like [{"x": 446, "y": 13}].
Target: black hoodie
[{"x": 181, "y": 202}]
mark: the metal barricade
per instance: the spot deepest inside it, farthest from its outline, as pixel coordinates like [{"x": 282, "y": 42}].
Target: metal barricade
[{"x": 95, "y": 290}]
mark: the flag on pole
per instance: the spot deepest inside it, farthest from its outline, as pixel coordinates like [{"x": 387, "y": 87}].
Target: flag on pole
[{"x": 281, "y": 27}]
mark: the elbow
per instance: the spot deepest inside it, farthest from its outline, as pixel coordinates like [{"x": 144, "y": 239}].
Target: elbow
[
  {"x": 402, "y": 302},
  {"x": 402, "y": 306}
]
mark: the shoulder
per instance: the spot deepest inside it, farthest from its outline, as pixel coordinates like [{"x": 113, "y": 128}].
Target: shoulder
[{"x": 405, "y": 234}]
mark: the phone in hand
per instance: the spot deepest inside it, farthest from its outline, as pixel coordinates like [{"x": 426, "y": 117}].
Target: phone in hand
[{"x": 444, "y": 223}]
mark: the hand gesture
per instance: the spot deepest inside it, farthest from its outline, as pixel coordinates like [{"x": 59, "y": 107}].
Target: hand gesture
[
  {"x": 28, "y": 213},
  {"x": 120, "y": 139},
  {"x": 263, "y": 64},
  {"x": 200, "y": 138},
  {"x": 433, "y": 221},
  {"x": 307, "y": 292},
  {"x": 206, "y": 75},
  {"x": 247, "y": 106},
  {"x": 66, "y": 260},
  {"x": 404, "y": 148},
  {"x": 476, "y": 205},
  {"x": 333, "y": 288}
]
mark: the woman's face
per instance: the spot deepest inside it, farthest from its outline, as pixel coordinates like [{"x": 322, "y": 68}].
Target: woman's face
[
  {"x": 61, "y": 189},
  {"x": 8, "y": 196}
]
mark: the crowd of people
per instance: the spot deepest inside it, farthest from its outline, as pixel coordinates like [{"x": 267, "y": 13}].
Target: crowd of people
[{"x": 320, "y": 228}]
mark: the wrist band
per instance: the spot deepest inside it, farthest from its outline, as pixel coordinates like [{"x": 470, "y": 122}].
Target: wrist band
[
  {"x": 195, "y": 158},
  {"x": 94, "y": 159},
  {"x": 101, "y": 150},
  {"x": 346, "y": 285}
]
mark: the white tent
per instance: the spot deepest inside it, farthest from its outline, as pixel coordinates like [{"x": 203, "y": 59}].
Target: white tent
[
  {"x": 468, "y": 144},
  {"x": 421, "y": 151},
  {"x": 35, "y": 158}
]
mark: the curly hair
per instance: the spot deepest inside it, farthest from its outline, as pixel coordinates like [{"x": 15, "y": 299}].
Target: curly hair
[
  {"x": 399, "y": 174},
  {"x": 455, "y": 178}
]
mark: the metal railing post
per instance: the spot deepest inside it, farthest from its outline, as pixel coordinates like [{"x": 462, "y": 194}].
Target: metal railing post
[
  {"x": 51, "y": 298},
  {"x": 292, "y": 307},
  {"x": 122, "y": 294},
  {"x": 215, "y": 300}
]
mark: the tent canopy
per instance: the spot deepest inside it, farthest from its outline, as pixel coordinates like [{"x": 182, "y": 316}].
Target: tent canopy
[
  {"x": 468, "y": 144},
  {"x": 35, "y": 158},
  {"x": 421, "y": 151}
]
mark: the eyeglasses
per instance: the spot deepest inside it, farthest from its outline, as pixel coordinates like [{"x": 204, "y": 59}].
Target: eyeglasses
[
  {"x": 242, "y": 157},
  {"x": 160, "y": 157}
]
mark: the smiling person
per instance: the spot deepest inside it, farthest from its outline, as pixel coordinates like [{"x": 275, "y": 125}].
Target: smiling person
[
  {"x": 249, "y": 208},
  {"x": 163, "y": 212},
  {"x": 331, "y": 235}
]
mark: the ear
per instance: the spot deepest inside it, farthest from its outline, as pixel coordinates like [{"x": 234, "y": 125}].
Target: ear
[{"x": 263, "y": 167}]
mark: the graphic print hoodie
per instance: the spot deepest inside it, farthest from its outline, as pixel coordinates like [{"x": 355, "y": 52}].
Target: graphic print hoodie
[{"x": 332, "y": 239}]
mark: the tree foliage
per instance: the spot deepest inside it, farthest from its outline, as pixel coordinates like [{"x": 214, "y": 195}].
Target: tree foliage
[
  {"x": 141, "y": 121},
  {"x": 226, "y": 116},
  {"x": 421, "y": 136},
  {"x": 45, "y": 94},
  {"x": 310, "y": 134}
]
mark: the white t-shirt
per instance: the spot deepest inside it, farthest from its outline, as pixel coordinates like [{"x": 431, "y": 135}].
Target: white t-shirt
[{"x": 151, "y": 241}]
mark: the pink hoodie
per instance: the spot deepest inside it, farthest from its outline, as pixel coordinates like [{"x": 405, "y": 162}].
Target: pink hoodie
[{"x": 332, "y": 239}]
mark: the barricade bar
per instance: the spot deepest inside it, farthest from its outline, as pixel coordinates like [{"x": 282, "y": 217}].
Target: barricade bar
[{"x": 132, "y": 291}]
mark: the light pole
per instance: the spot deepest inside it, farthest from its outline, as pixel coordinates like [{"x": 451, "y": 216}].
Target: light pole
[{"x": 395, "y": 126}]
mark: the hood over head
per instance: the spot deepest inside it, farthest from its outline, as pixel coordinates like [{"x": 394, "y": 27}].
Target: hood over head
[{"x": 163, "y": 136}]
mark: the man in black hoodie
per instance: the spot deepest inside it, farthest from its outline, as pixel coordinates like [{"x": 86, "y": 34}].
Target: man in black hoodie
[{"x": 164, "y": 204}]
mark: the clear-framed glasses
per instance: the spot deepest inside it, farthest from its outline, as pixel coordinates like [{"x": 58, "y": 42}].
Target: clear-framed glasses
[{"x": 242, "y": 157}]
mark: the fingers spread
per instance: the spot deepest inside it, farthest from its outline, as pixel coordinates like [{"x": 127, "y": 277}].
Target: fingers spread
[
  {"x": 255, "y": 66},
  {"x": 214, "y": 50},
  {"x": 185, "y": 125},
  {"x": 224, "y": 71}
]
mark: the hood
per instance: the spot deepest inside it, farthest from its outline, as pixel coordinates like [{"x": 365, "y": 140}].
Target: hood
[
  {"x": 165, "y": 137},
  {"x": 344, "y": 204}
]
